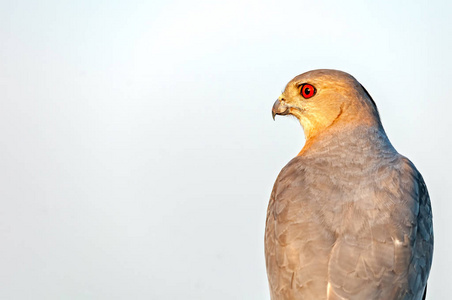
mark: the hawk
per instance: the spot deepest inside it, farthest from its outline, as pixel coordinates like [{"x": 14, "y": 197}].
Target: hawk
[{"x": 349, "y": 217}]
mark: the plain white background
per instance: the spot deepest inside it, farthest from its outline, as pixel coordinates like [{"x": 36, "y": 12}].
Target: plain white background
[{"x": 137, "y": 146}]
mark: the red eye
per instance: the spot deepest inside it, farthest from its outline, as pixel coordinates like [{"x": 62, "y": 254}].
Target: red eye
[{"x": 307, "y": 91}]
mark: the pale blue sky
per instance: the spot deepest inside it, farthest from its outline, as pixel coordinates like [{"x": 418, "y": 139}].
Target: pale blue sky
[{"x": 137, "y": 146}]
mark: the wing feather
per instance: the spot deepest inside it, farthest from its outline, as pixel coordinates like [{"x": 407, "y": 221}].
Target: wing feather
[
  {"x": 376, "y": 245},
  {"x": 390, "y": 258}
]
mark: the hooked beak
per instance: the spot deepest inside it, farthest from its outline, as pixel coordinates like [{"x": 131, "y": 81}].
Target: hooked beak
[{"x": 279, "y": 109}]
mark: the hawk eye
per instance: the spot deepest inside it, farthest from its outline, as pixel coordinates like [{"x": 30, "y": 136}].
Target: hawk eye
[{"x": 307, "y": 90}]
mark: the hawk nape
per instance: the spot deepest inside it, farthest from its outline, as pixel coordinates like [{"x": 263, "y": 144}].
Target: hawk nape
[{"x": 348, "y": 217}]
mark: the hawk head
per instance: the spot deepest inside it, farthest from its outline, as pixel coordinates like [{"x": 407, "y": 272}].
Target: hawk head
[{"x": 320, "y": 99}]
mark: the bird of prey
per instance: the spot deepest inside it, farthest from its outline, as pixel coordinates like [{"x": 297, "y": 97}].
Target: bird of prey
[{"x": 349, "y": 217}]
